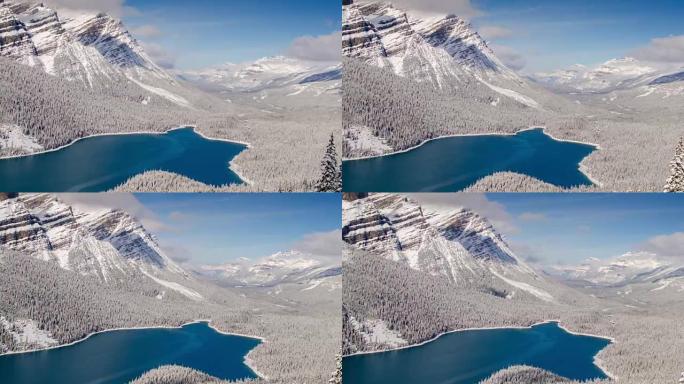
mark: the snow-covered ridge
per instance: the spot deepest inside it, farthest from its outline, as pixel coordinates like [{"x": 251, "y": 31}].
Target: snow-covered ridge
[
  {"x": 458, "y": 244},
  {"x": 107, "y": 244},
  {"x": 92, "y": 48},
  {"x": 630, "y": 268},
  {"x": 615, "y": 74},
  {"x": 265, "y": 73},
  {"x": 438, "y": 49},
  {"x": 279, "y": 268}
]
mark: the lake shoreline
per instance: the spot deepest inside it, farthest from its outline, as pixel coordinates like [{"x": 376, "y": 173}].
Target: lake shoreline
[
  {"x": 581, "y": 167},
  {"x": 558, "y": 322},
  {"x": 193, "y": 127},
  {"x": 231, "y": 164},
  {"x": 543, "y": 128},
  {"x": 248, "y": 362}
]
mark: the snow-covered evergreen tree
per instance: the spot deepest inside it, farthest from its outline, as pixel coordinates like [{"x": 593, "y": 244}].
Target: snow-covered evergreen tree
[
  {"x": 331, "y": 175},
  {"x": 676, "y": 181}
]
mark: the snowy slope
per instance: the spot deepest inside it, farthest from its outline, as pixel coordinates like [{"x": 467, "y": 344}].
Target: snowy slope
[
  {"x": 110, "y": 245},
  {"x": 279, "y": 268},
  {"x": 444, "y": 51},
  {"x": 94, "y": 49},
  {"x": 459, "y": 245},
  {"x": 266, "y": 73},
  {"x": 615, "y": 74},
  {"x": 437, "y": 49}
]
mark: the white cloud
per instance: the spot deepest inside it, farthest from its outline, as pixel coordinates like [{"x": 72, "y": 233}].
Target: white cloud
[
  {"x": 509, "y": 56},
  {"x": 495, "y": 212},
  {"x": 491, "y": 32},
  {"x": 317, "y": 48},
  {"x": 117, "y": 201},
  {"x": 663, "y": 49},
  {"x": 323, "y": 245},
  {"x": 115, "y": 8},
  {"x": 146, "y": 31},
  {"x": 461, "y": 8},
  {"x": 671, "y": 245},
  {"x": 160, "y": 55}
]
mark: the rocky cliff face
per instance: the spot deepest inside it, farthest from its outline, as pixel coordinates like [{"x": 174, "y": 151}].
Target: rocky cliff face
[
  {"x": 94, "y": 49},
  {"x": 439, "y": 49},
  {"x": 15, "y": 41},
  {"x": 459, "y": 245},
  {"x": 108, "y": 244}
]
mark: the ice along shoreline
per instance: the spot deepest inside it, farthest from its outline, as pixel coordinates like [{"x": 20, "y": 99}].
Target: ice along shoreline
[
  {"x": 231, "y": 165},
  {"x": 597, "y": 362},
  {"x": 581, "y": 166},
  {"x": 247, "y": 360}
]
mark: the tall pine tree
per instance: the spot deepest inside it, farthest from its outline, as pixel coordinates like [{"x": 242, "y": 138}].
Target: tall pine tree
[
  {"x": 676, "y": 181},
  {"x": 331, "y": 175}
]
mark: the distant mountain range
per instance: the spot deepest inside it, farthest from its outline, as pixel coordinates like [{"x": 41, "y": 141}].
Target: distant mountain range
[
  {"x": 265, "y": 73},
  {"x": 279, "y": 268},
  {"x": 613, "y": 75},
  {"x": 632, "y": 268}
]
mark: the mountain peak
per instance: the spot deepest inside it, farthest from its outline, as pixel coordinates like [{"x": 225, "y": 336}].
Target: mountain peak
[
  {"x": 99, "y": 242},
  {"x": 438, "y": 49}
]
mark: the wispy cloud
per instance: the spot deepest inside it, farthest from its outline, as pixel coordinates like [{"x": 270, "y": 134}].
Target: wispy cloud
[
  {"x": 492, "y": 32},
  {"x": 117, "y": 8},
  {"x": 324, "y": 245},
  {"x": 317, "y": 48},
  {"x": 663, "y": 49},
  {"x": 494, "y": 212},
  {"x": 462, "y": 8},
  {"x": 117, "y": 201},
  {"x": 147, "y": 30},
  {"x": 670, "y": 245}
]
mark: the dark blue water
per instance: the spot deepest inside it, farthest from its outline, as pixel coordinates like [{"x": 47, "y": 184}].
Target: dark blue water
[
  {"x": 121, "y": 356},
  {"x": 455, "y": 163},
  {"x": 100, "y": 163},
  {"x": 470, "y": 356}
]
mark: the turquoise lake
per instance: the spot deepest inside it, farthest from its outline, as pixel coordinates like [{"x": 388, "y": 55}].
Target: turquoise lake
[
  {"x": 471, "y": 356},
  {"x": 100, "y": 163},
  {"x": 454, "y": 163},
  {"x": 118, "y": 357}
]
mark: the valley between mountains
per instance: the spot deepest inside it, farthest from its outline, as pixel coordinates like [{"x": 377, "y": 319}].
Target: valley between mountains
[
  {"x": 71, "y": 74},
  {"x": 409, "y": 78},
  {"x": 67, "y": 272},
  {"x": 414, "y": 271}
]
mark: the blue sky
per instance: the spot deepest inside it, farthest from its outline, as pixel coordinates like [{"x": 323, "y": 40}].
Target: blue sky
[
  {"x": 568, "y": 228},
  {"x": 217, "y": 228},
  {"x": 557, "y": 34},
  {"x": 205, "y": 33}
]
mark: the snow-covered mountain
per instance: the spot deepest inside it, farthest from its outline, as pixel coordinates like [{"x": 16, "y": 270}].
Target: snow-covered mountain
[
  {"x": 630, "y": 268},
  {"x": 613, "y": 75},
  {"x": 92, "y": 48},
  {"x": 110, "y": 245},
  {"x": 279, "y": 268},
  {"x": 438, "y": 49},
  {"x": 266, "y": 73},
  {"x": 459, "y": 245}
]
